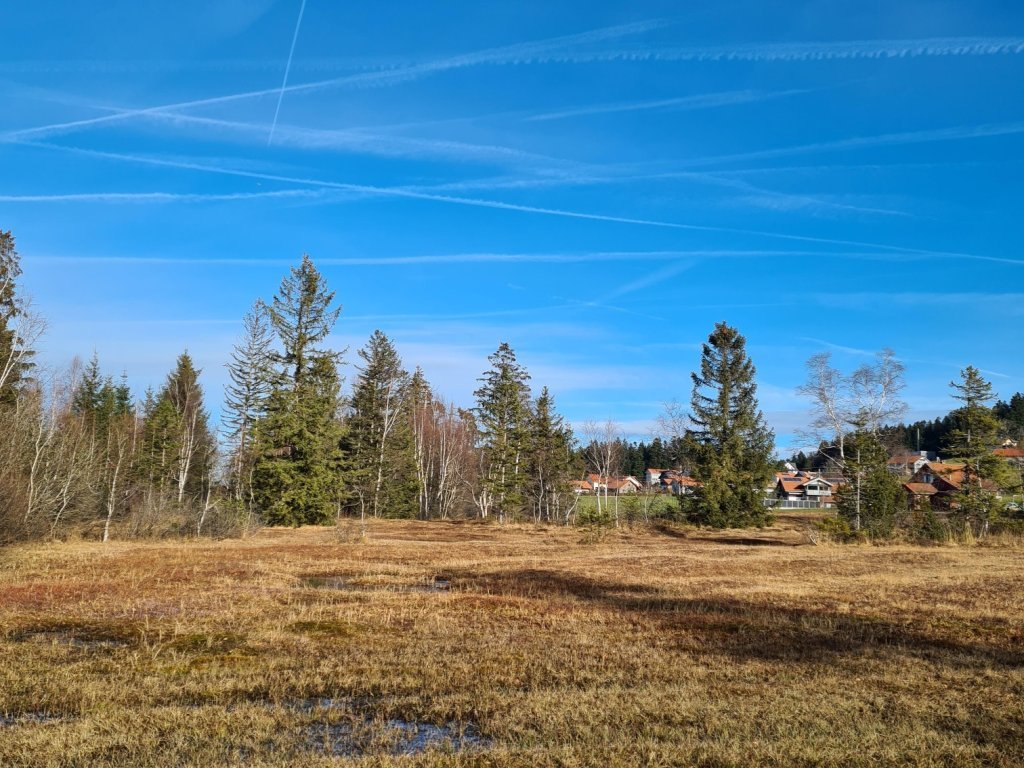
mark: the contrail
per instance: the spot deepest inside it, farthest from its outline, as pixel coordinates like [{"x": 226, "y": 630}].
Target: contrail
[
  {"x": 406, "y": 193},
  {"x": 509, "y": 54},
  {"x": 287, "y": 69}
]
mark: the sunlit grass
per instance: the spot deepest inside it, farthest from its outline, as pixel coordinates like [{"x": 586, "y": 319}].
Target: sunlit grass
[{"x": 550, "y": 646}]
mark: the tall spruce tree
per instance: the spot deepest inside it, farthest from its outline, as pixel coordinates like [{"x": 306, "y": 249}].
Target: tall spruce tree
[
  {"x": 251, "y": 374},
  {"x": 730, "y": 443},
  {"x": 297, "y": 474},
  {"x": 15, "y": 356},
  {"x": 550, "y": 459},
  {"x": 503, "y": 411},
  {"x": 381, "y": 450}
]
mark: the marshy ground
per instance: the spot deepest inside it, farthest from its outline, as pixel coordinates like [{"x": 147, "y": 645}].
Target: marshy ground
[{"x": 469, "y": 644}]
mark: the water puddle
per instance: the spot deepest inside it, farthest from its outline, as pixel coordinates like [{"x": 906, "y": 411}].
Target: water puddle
[
  {"x": 391, "y": 737},
  {"x": 28, "y": 718},
  {"x": 347, "y": 584},
  {"x": 75, "y": 639}
]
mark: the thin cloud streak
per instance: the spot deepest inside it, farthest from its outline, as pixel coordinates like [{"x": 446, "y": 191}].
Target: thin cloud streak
[
  {"x": 365, "y": 141},
  {"x": 157, "y": 197},
  {"x": 401, "y": 192},
  {"x": 701, "y": 101},
  {"x": 287, "y": 69},
  {"x": 882, "y": 140},
  {"x": 510, "y": 54}
]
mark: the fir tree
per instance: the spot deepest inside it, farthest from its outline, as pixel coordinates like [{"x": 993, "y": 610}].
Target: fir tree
[
  {"x": 502, "y": 411},
  {"x": 381, "y": 455},
  {"x": 730, "y": 443}
]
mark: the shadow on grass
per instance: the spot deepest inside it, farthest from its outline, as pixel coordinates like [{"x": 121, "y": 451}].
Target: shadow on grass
[
  {"x": 754, "y": 631},
  {"x": 747, "y": 541}
]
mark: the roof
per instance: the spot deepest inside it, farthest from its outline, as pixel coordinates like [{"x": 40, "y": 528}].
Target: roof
[
  {"x": 921, "y": 489},
  {"x": 687, "y": 481},
  {"x": 615, "y": 483},
  {"x": 655, "y": 471},
  {"x": 906, "y": 458},
  {"x": 1009, "y": 453}
]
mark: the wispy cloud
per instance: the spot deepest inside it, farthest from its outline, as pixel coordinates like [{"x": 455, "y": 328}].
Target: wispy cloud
[
  {"x": 157, "y": 197},
  {"x": 406, "y": 193},
  {"x": 655, "y": 276},
  {"x": 858, "y": 142},
  {"x": 366, "y": 141},
  {"x": 287, "y": 70},
  {"x": 700, "y": 101},
  {"x": 509, "y": 54}
]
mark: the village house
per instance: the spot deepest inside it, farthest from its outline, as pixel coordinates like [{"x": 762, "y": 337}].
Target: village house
[
  {"x": 804, "y": 490},
  {"x": 906, "y": 464},
  {"x": 935, "y": 482}
]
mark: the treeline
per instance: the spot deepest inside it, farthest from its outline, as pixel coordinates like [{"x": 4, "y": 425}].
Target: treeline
[{"x": 80, "y": 455}]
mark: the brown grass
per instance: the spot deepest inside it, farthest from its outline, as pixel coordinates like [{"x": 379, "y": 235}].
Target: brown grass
[{"x": 550, "y": 647}]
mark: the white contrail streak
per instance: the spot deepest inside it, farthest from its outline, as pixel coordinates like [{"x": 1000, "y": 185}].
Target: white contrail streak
[
  {"x": 287, "y": 69},
  {"x": 509, "y": 54},
  {"x": 407, "y": 193},
  {"x": 815, "y": 51},
  {"x": 155, "y": 197},
  {"x": 700, "y": 101}
]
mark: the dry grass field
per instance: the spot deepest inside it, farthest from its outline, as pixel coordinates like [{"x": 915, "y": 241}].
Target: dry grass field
[{"x": 466, "y": 644}]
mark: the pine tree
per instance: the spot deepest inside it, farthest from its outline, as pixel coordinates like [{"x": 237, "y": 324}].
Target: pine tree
[
  {"x": 502, "y": 411},
  {"x": 730, "y": 443},
  {"x": 381, "y": 453},
  {"x": 251, "y": 375},
  {"x": 297, "y": 474},
  {"x": 550, "y": 459}
]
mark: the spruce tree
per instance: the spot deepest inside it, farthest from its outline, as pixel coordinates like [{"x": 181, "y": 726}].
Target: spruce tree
[
  {"x": 730, "y": 444},
  {"x": 872, "y": 498},
  {"x": 178, "y": 441},
  {"x": 297, "y": 474},
  {"x": 550, "y": 459},
  {"x": 975, "y": 432},
  {"x": 381, "y": 450},
  {"x": 15, "y": 357},
  {"x": 251, "y": 375},
  {"x": 302, "y": 315},
  {"x": 502, "y": 412}
]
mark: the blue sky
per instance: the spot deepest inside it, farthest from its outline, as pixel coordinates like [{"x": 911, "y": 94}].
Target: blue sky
[{"x": 597, "y": 188}]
